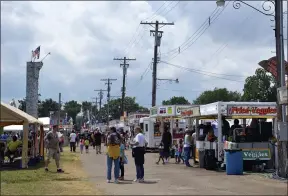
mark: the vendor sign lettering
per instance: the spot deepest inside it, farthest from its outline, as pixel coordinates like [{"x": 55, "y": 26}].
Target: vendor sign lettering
[
  {"x": 254, "y": 154},
  {"x": 190, "y": 112},
  {"x": 253, "y": 111}
]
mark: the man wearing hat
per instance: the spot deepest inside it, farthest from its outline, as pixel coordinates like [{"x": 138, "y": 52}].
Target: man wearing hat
[{"x": 52, "y": 141}]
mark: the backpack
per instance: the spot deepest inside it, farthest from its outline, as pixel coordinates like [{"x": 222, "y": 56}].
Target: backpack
[{"x": 114, "y": 139}]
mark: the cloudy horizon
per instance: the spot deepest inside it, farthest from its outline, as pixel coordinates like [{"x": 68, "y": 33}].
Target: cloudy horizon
[{"x": 84, "y": 37}]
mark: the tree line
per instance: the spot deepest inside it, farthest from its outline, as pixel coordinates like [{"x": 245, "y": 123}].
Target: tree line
[{"x": 259, "y": 87}]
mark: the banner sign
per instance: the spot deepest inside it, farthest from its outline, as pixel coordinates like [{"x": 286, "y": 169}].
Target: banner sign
[
  {"x": 190, "y": 112},
  {"x": 234, "y": 110},
  {"x": 254, "y": 154},
  {"x": 270, "y": 65},
  {"x": 153, "y": 111},
  {"x": 180, "y": 108}
]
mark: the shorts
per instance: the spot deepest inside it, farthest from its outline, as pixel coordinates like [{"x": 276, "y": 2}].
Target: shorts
[
  {"x": 86, "y": 147},
  {"x": 53, "y": 153}
]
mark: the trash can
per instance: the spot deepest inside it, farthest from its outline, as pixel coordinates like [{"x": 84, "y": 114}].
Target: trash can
[
  {"x": 234, "y": 162},
  {"x": 201, "y": 158}
]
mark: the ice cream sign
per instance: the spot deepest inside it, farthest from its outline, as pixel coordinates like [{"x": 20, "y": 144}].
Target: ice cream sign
[{"x": 252, "y": 110}]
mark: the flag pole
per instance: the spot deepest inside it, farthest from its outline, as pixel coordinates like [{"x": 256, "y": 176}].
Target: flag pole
[{"x": 49, "y": 53}]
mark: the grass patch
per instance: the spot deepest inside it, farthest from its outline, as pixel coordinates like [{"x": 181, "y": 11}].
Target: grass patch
[{"x": 35, "y": 181}]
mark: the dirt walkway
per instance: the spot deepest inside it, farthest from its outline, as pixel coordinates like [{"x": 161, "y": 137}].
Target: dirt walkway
[{"x": 172, "y": 179}]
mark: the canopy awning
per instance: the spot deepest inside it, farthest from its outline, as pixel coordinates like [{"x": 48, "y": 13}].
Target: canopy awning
[{"x": 13, "y": 116}]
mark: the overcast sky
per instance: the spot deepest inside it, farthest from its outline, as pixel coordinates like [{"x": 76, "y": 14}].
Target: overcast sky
[{"x": 84, "y": 37}]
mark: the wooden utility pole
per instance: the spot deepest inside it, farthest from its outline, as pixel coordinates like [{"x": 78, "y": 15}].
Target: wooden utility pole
[
  {"x": 100, "y": 98},
  {"x": 108, "y": 83},
  {"x": 157, "y": 34},
  {"x": 125, "y": 66}
]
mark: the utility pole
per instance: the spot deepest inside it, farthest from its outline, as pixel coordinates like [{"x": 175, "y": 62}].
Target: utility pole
[
  {"x": 96, "y": 104},
  {"x": 157, "y": 34},
  {"x": 59, "y": 109},
  {"x": 100, "y": 98},
  {"x": 108, "y": 94},
  {"x": 125, "y": 67},
  {"x": 282, "y": 146}
]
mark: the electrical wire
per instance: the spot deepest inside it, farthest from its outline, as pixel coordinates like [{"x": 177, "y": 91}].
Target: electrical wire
[
  {"x": 211, "y": 21},
  {"x": 198, "y": 70},
  {"x": 194, "y": 71}
]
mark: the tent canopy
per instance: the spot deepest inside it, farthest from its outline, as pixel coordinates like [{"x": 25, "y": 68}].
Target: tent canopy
[{"x": 13, "y": 116}]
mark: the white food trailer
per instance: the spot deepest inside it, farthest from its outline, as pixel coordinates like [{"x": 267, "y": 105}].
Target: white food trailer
[
  {"x": 232, "y": 110},
  {"x": 153, "y": 126}
]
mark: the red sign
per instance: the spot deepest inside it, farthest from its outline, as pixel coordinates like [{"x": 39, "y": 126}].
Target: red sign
[
  {"x": 252, "y": 111},
  {"x": 187, "y": 113},
  {"x": 270, "y": 65}
]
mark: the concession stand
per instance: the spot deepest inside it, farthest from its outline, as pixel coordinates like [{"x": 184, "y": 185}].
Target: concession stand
[{"x": 253, "y": 139}]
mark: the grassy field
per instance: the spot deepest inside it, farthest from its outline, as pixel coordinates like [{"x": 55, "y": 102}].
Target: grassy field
[{"x": 35, "y": 181}]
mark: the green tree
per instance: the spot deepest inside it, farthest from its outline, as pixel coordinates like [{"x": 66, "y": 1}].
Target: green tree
[
  {"x": 46, "y": 106},
  {"x": 176, "y": 101},
  {"x": 260, "y": 87},
  {"x": 218, "y": 94},
  {"x": 22, "y": 104},
  {"x": 72, "y": 108},
  {"x": 86, "y": 105},
  {"x": 115, "y": 108}
]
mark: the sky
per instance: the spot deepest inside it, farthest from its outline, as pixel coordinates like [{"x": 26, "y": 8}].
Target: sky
[{"x": 84, "y": 37}]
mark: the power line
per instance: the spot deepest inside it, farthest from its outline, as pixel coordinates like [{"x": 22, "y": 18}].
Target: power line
[
  {"x": 191, "y": 70},
  {"x": 189, "y": 44},
  {"x": 198, "y": 70}
]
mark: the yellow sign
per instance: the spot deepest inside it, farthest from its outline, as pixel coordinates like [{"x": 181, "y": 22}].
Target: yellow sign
[{"x": 170, "y": 110}]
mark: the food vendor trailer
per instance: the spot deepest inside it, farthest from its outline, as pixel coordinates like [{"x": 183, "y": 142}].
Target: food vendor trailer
[
  {"x": 259, "y": 149},
  {"x": 163, "y": 117}
]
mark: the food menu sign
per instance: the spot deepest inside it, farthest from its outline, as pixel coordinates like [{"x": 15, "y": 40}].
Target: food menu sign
[
  {"x": 234, "y": 110},
  {"x": 178, "y": 109},
  {"x": 166, "y": 111},
  {"x": 190, "y": 112}
]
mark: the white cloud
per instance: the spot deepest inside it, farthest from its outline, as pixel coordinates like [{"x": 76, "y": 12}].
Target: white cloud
[{"x": 84, "y": 37}]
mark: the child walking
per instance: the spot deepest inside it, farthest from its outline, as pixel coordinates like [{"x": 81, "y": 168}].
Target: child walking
[
  {"x": 180, "y": 150},
  {"x": 161, "y": 154},
  {"x": 87, "y": 143},
  {"x": 177, "y": 154},
  {"x": 82, "y": 144},
  {"x": 122, "y": 159}
]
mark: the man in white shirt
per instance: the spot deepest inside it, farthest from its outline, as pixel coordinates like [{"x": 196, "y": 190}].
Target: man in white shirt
[
  {"x": 187, "y": 147},
  {"x": 138, "y": 151},
  {"x": 72, "y": 138}
]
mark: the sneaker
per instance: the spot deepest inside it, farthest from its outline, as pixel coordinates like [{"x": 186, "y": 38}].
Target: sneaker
[
  {"x": 60, "y": 171},
  {"x": 108, "y": 181},
  {"x": 121, "y": 178},
  {"x": 157, "y": 163},
  {"x": 46, "y": 169},
  {"x": 136, "y": 180},
  {"x": 141, "y": 180},
  {"x": 116, "y": 181}
]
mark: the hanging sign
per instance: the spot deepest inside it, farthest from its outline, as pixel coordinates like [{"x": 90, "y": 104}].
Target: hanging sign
[
  {"x": 282, "y": 95},
  {"x": 178, "y": 109},
  {"x": 166, "y": 111},
  {"x": 252, "y": 110},
  {"x": 190, "y": 112}
]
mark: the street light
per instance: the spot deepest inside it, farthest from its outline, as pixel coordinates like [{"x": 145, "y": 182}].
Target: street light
[{"x": 268, "y": 6}]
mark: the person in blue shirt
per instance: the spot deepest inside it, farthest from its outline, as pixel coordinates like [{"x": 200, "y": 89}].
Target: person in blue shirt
[{"x": 122, "y": 158}]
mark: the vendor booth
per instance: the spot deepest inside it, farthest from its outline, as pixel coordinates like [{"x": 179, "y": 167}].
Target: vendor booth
[
  {"x": 253, "y": 140},
  {"x": 13, "y": 116},
  {"x": 164, "y": 118}
]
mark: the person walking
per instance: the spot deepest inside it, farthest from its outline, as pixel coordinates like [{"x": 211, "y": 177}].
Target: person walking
[
  {"x": 113, "y": 154},
  {"x": 167, "y": 142},
  {"x": 123, "y": 159},
  {"x": 187, "y": 147},
  {"x": 138, "y": 152},
  {"x": 72, "y": 138},
  {"x": 52, "y": 142},
  {"x": 98, "y": 141}
]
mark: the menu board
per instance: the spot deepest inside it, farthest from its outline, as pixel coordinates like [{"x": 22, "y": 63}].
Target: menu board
[{"x": 190, "y": 112}]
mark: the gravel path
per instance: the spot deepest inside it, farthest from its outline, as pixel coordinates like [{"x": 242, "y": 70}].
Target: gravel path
[{"x": 172, "y": 179}]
